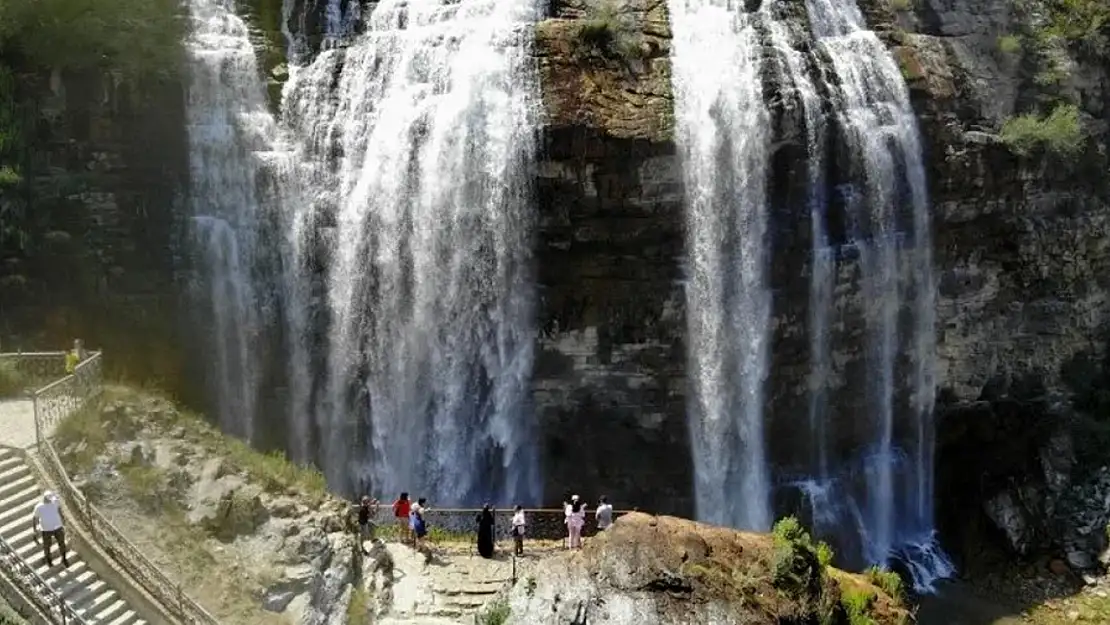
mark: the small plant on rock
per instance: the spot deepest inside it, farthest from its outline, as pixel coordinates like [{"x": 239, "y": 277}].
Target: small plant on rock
[
  {"x": 1060, "y": 133},
  {"x": 795, "y": 567},
  {"x": 825, "y": 554},
  {"x": 358, "y": 610},
  {"x": 889, "y": 581},
  {"x": 497, "y": 613},
  {"x": 1009, "y": 44},
  {"x": 606, "y": 30}
]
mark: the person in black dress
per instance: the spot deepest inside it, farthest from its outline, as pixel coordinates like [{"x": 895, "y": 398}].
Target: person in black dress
[{"x": 485, "y": 532}]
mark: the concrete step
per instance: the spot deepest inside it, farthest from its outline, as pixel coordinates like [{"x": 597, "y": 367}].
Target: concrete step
[
  {"x": 78, "y": 585},
  {"x": 18, "y": 487}
]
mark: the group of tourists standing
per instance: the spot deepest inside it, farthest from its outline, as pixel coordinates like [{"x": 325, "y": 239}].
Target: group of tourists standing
[
  {"x": 413, "y": 527},
  {"x": 575, "y": 512}
]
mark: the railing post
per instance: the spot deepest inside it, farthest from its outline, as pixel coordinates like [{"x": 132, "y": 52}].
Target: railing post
[{"x": 38, "y": 425}]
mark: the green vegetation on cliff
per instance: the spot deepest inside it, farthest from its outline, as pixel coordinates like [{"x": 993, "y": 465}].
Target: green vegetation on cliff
[
  {"x": 1059, "y": 133},
  {"x": 135, "y": 37},
  {"x": 608, "y": 31}
]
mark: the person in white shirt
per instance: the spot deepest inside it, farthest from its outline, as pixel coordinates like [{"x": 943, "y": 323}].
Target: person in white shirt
[
  {"x": 518, "y": 530},
  {"x": 47, "y": 520},
  {"x": 604, "y": 514},
  {"x": 576, "y": 520}
]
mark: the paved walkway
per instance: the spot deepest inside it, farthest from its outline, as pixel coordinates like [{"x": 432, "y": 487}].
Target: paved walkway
[{"x": 17, "y": 423}]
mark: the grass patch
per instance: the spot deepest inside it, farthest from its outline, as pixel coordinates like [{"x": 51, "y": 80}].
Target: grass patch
[
  {"x": 81, "y": 438},
  {"x": 150, "y": 488},
  {"x": 901, "y": 5},
  {"x": 608, "y": 31},
  {"x": 889, "y": 581},
  {"x": 858, "y": 604},
  {"x": 497, "y": 613},
  {"x": 1087, "y": 608},
  {"x": 1060, "y": 133},
  {"x": 1009, "y": 44},
  {"x": 8, "y": 615},
  {"x": 389, "y": 530},
  {"x": 358, "y": 610},
  {"x": 12, "y": 382},
  {"x": 124, "y": 412}
]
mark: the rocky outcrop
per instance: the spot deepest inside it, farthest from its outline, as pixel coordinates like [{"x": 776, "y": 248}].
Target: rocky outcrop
[
  {"x": 649, "y": 570},
  {"x": 210, "y": 510}
]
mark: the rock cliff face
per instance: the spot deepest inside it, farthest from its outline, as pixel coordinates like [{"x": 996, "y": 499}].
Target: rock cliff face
[
  {"x": 106, "y": 162},
  {"x": 1022, "y": 255},
  {"x": 1021, "y": 246},
  {"x": 610, "y": 375}
]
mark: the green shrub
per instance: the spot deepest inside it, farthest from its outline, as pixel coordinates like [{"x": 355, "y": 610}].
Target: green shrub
[
  {"x": 497, "y": 613},
  {"x": 857, "y": 605},
  {"x": 825, "y": 554},
  {"x": 1009, "y": 44},
  {"x": 795, "y": 566},
  {"x": 1082, "y": 22},
  {"x": 889, "y": 581},
  {"x": 901, "y": 5},
  {"x": 12, "y": 382},
  {"x": 1060, "y": 133},
  {"x": 606, "y": 30}
]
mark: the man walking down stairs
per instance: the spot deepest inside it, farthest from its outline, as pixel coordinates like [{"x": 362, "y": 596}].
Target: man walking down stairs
[{"x": 88, "y": 595}]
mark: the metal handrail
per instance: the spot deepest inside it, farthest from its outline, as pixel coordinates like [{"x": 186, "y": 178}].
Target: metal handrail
[
  {"x": 45, "y": 598},
  {"x": 54, "y": 402}
]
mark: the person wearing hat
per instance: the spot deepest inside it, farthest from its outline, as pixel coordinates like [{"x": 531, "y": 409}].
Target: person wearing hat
[
  {"x": 47, "y": 519},
  {"x": 576, "y": 520}
]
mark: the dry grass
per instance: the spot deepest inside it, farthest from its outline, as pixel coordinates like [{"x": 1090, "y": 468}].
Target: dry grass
[
  {"x": 87, "y": 433},
  {"x": 148, "y": 502},
  {"x": 1081, "y": 608}
]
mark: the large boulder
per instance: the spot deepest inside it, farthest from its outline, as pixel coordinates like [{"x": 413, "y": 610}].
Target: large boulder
[{"x": 649, "y": 570}]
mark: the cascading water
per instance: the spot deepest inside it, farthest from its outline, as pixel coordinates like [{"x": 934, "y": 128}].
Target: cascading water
[
  {"x": 882, "y": 495},
  {"x": 422, "y": 129},
  {"x": 723, "y": 132},
  {"x": 233, "y": 148},
  {"x": 894, "y": 512}
]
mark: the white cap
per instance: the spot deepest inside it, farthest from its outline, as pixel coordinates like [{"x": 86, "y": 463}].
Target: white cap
[
  {"x": 49, "y": 496},
  {"x": 574, "y": 498}
]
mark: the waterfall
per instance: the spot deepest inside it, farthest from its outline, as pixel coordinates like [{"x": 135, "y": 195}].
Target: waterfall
[
  {"x": 722, "y": 128},
  {"x": 422, "y": 132},
  {"x": 872, "y": 109},
  {"x": 234, "y": 147},
  {"x": 876, "y": 496}
]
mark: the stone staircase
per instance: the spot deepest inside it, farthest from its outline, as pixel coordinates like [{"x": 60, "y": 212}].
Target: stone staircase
[
  {"x": 447, "y": 592},
  {"x": 90, "y": 597}
]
